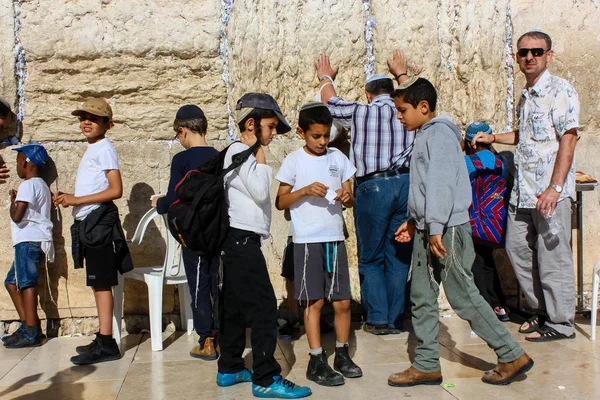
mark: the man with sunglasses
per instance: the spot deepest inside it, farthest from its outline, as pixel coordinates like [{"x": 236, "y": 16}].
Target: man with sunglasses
[{"x": 548, "y": 118}]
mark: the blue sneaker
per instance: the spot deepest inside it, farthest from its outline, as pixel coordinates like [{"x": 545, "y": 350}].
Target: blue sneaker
[
  {"x": 244, "y": 375},
  {"x": 280, "y": 389}
]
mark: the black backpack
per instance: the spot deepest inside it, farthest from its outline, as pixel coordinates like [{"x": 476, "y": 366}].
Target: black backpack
[{"x": 199, "y": 218}]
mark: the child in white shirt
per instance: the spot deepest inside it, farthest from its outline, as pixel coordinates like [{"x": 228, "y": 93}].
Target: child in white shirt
[
  {"x": 98, "y": 183},
  {"x": 315, "y": 183},
  {"x": 32, "y": 239}
]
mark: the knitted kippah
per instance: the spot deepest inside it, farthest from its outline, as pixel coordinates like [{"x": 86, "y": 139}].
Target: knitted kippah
[
  {"x": 408, "y": 83},
  {"x": 475, "y": 128}
]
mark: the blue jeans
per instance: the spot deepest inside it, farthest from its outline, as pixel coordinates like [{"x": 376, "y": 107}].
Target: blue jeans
[
  {"x": 383, "y": 264},
  {"x": 24, "y": 270}
]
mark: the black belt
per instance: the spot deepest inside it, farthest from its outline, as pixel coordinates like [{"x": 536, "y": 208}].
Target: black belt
[{"x": 383, "y": 174}]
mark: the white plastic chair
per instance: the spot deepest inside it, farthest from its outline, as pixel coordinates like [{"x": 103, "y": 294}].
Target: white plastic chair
[
  {"x": 171, "y": 272},
  {"x": 595, "y": 283}
]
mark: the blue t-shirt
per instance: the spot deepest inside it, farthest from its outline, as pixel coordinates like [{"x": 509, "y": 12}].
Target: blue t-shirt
[
  {"x": 488, "y": 159},
  {"x": 183, "y": 162}
]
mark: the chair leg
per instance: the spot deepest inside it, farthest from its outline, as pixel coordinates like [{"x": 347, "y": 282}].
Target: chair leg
[
  {"x": 594, "y": 313},
  {"x": 155, "y": 301},
  {"x": 118, "y": 308},
  {"x": 185, "y": 308}
]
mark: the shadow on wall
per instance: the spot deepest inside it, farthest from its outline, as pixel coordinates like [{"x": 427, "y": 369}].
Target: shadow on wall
[
  {"x": 51, "y": 273},
  {"x": 149, "y": 253}
]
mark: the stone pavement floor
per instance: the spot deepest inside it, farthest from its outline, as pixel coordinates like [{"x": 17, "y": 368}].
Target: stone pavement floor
[{"x": 567, "y": 369}]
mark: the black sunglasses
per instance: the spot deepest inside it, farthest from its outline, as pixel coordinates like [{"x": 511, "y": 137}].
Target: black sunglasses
[{"x": 537, "y": 52}]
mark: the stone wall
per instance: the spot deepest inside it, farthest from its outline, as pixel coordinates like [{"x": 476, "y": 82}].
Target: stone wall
[{"x": 148, "y": 58}]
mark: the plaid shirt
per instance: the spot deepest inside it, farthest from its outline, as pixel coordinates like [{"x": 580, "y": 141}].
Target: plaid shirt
[{"x": 379, "y": 141}]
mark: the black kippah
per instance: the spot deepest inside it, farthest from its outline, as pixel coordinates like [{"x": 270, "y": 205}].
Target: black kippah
[
  {"x": 189, "y": 111},
  {"x": 312, "y": 104}
]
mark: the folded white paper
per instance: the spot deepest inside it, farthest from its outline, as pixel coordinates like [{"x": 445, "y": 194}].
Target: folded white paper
[{"x": 330, "y": 196}]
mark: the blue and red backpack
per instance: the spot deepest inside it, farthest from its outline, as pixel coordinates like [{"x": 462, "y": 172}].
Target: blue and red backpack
[{"x": 488, "y": 209}]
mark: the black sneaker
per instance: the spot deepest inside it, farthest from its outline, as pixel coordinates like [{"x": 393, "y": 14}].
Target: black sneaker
[
  {"x": 321, "y": 373},
  {"x": 16, "y": 335},
  {"x": 289, "y": 331},
  {"x": 100, "y": 352},
  {"x": 87, "y": 348},
  {"x": 342, "y": 363},
  {"x": 24, "y": 340},
  {"x": 376, "y": 329}
]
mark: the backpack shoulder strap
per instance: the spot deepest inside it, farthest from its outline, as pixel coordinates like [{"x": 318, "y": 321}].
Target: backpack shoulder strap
[{"x": 238, "y": 158}]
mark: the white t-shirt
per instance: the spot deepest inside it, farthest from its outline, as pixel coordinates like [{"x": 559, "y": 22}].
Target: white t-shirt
[
  {"x": 99, "y": 158},
  {"x": 315, "y": 219},
  {"x": 36, "y": 225}
]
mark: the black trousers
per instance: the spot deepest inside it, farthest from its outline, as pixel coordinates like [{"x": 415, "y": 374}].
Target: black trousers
[
  {"x": 486, "y": 277},
  {"x": 203, "y": 275},
  {"x": 248, "y": 300}
]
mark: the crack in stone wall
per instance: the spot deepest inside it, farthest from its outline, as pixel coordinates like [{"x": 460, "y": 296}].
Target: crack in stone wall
[
  {"x": 510, "y": 68},
  {"x": 369, "y": 65},
  {"x": 226, "y": 7},
  {"x": 20, "y": 69}
]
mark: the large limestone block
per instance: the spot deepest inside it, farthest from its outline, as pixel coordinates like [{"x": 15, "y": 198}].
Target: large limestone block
[
  {"x": 458, "y": 46},
  {"x": 148, "y": 58},
  {"x": 273, "y": 47}
]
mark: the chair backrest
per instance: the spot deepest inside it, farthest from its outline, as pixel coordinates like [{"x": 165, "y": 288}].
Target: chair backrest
[{"x": 172, "y": 266}]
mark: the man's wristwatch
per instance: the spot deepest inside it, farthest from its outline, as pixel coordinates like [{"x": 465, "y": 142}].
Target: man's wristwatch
[{"x": 558, "y": 189}]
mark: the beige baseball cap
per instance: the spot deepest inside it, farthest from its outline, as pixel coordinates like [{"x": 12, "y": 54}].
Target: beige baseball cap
[{"x": 96, "y": 106}]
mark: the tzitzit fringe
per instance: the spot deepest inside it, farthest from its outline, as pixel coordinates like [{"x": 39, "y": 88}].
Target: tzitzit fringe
[{"x": 335, "y": 271}]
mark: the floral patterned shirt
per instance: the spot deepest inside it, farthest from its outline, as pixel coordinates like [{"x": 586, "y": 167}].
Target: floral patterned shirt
[{"x": 545, "y": 113}]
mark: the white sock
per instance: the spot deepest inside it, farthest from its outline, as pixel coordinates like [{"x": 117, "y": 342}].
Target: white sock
[
  {"x": 315, "y": 352},
  {"x": 338, "y": 344}
]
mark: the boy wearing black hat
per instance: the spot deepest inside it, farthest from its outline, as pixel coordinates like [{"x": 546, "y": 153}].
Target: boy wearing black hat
[
  {"x": 32, "y": 240},
  {"x": 190, "y": 128},
  {"x": 248, "y": 296},
  {"x": 105, "y": 252}
]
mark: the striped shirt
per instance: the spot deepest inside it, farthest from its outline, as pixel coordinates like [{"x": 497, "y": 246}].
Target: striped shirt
[{"x": 379, "y": 141}]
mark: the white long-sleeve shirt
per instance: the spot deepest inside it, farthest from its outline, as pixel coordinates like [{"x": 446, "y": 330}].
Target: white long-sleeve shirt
[{"x": 248, "y": 193}]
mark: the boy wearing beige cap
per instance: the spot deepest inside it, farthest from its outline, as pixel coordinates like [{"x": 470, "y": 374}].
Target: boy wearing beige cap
[{"x": 105, "y": 252}]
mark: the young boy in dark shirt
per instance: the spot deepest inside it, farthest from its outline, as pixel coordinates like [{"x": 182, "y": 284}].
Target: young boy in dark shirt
[{"x": 190, "y": 127}]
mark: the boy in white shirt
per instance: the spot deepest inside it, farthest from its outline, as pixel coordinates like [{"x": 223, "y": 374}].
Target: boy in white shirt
[
  {"x": 248, "y": 297},
  {"x": 98, "y": 183},
  {"x": 315, "y": 183},
  {"x": 32, "y": 239}
]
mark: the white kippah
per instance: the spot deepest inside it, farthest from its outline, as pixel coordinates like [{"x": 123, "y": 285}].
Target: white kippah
[{"x": 377, "y": 77}]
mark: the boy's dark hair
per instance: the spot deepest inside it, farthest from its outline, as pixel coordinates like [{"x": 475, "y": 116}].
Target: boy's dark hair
[
  {"x": 4, "y": 111},
  {"x": 257, "y": 114},
  {"x": 198, "y": 125},
  {"x": 314, "y": 115},
  {"x": 537, "y": 35},
  {"x": 421, "y": 90},
  {"x": 380, "y": 86}
]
